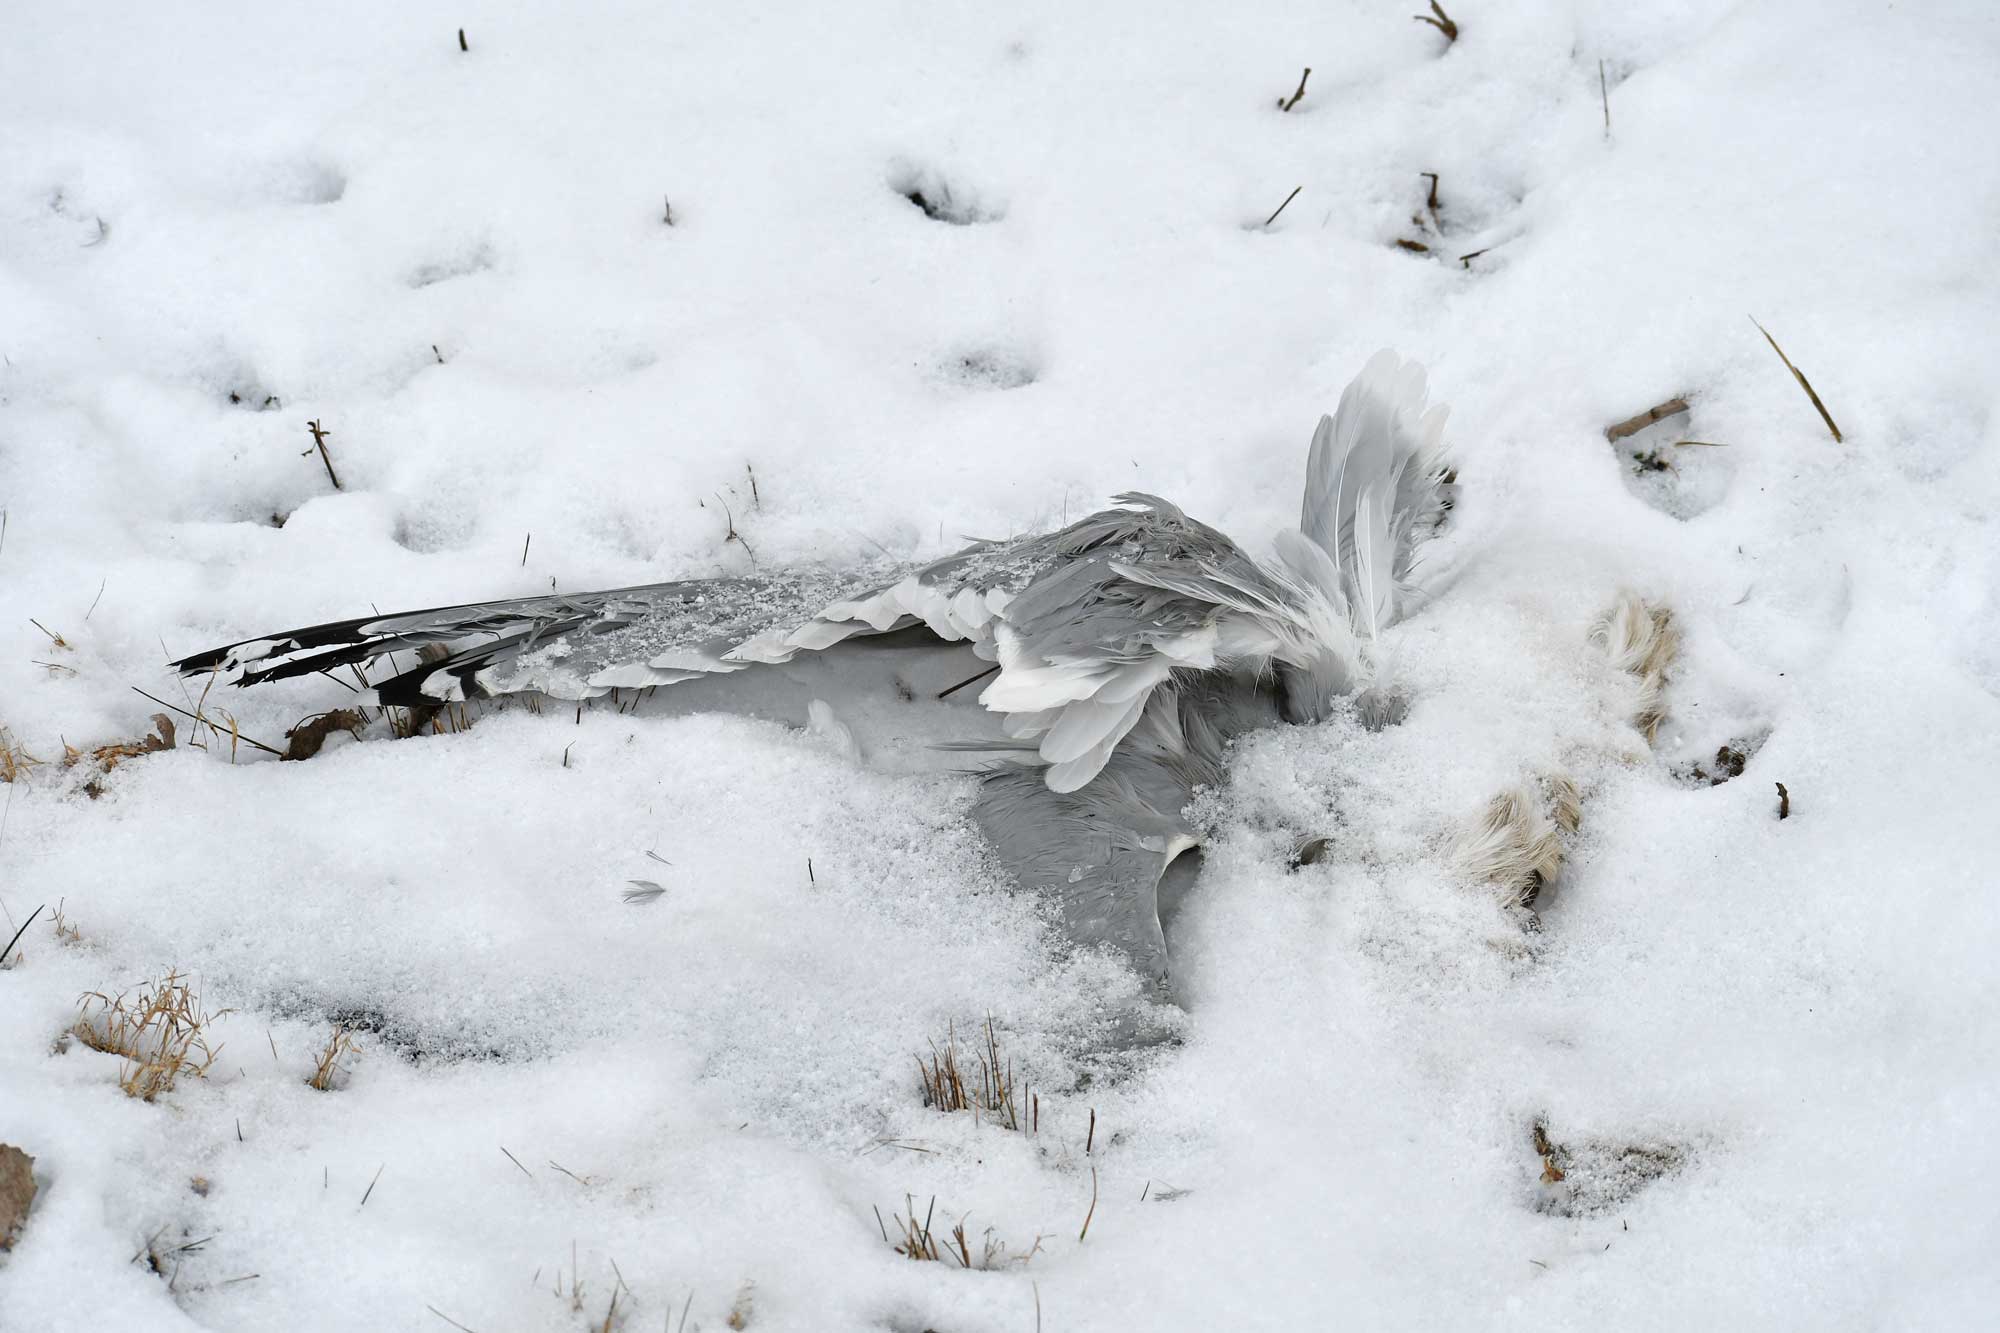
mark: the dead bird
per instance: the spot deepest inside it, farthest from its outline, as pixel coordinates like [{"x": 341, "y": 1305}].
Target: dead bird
[{"x": 1124, "y": 651}]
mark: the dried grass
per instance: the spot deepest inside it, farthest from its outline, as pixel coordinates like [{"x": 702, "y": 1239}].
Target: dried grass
[
  {"x": 1798, "y": 375},
  {"x": 14, "y": 761},
  {"x": 66, "y": 931},
  {"x": 161, "y": 1034},
  {"x": 1442, "y": 22},
  {"x": 992, "y": 1092},
  {"x": 328, "y": 1073},
  {"x": 914, "y": 1240}
]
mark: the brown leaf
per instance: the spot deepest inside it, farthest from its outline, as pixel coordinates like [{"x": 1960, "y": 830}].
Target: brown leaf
[
  {"x": 304, "y": 740},
  {"x": 108, "y": 756},
  {"x": 17, "y": 1191}
]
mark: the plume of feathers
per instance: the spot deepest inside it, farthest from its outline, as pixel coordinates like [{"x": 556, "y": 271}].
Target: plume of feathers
[{"x": 1375, "y": 486}]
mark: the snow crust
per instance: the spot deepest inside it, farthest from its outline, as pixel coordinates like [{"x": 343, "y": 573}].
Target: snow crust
[{"x": 1764, "y": 1046}]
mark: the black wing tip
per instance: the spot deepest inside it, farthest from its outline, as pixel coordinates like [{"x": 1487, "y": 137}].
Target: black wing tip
[{"x": 211, "y": 660}]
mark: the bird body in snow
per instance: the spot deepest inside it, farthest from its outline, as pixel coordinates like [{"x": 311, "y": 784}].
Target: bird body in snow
[{"x": 1127, "y": 648}]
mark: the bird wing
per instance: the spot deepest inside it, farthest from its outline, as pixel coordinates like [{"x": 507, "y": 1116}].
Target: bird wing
[
  {"x": 1085, "y": 622},
  {"x": 569, "y": 645},
  {"x": 1121, "y": 602},
  {"x": 1099, "y": 852}
]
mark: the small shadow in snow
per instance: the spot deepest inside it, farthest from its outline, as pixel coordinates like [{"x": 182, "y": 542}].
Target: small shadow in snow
[
  {"x": 431, "y": 529},
  {"x": 409, "y": 1041},
  {"x": 252, "y": 397},
  {"x": 940, "y": 199},
  {"x": 1591, "y": 1177},
  {"x": 476, "y": 260},
  {"x": 1666, "y": 466},
  {"x": 1729, "y": 760},
  {"x": 989, "y": 368},
  {"x": 307, "y": 181}
]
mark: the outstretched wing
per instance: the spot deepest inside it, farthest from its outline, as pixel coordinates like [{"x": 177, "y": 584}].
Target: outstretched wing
[
  {"x": 570, "y": 645},
  {"x": 1084, "y": 622}
]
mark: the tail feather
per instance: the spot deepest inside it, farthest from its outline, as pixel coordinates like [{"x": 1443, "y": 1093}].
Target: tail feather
[{"x": 1374, "y": 486}]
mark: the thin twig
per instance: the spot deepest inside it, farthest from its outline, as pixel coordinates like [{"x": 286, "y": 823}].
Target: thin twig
[
  {"x": 461, "y": 41},
  {"x": 432, "y": 1308},
  {"x": 1604, "y": 92},
  {"x": 1093, "y": 1206},
  {"x": 24, "y": 930},
  {"x": 946, "y": 694},
  {"x": 206, "y": 723},
  {"x": 1804, "y": 383},
  {"x": 524, "y": 549},
  {"x": 517, "y": 1162},
  {"x": 1287, "y": 103},
  {"x": 371, "y": 1185},
  {"x": 1431, "y": 200},
  {"x": 100, "y": 596},
  {"x": 1281, "y": 207},
  {"x": 1633, "y": 425},
  {"x": 733, "y": 535},
  {"x": 1442, "y": 22},
  {"x": 319, "y": 434}
]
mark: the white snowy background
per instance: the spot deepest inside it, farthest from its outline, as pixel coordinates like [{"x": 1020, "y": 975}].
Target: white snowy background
[{"x": 457, "y": 262}]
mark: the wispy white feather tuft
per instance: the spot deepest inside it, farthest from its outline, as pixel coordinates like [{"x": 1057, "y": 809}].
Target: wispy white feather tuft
[
  {"x": 1520, "y": 840},
  {"x": 1641, "y": 639}
]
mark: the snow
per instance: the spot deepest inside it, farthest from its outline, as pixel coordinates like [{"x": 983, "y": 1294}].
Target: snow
[{"x": 456, "y": 262}]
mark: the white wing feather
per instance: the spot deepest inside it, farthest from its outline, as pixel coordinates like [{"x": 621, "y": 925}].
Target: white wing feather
[{"x": 1371, "y": 472}]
